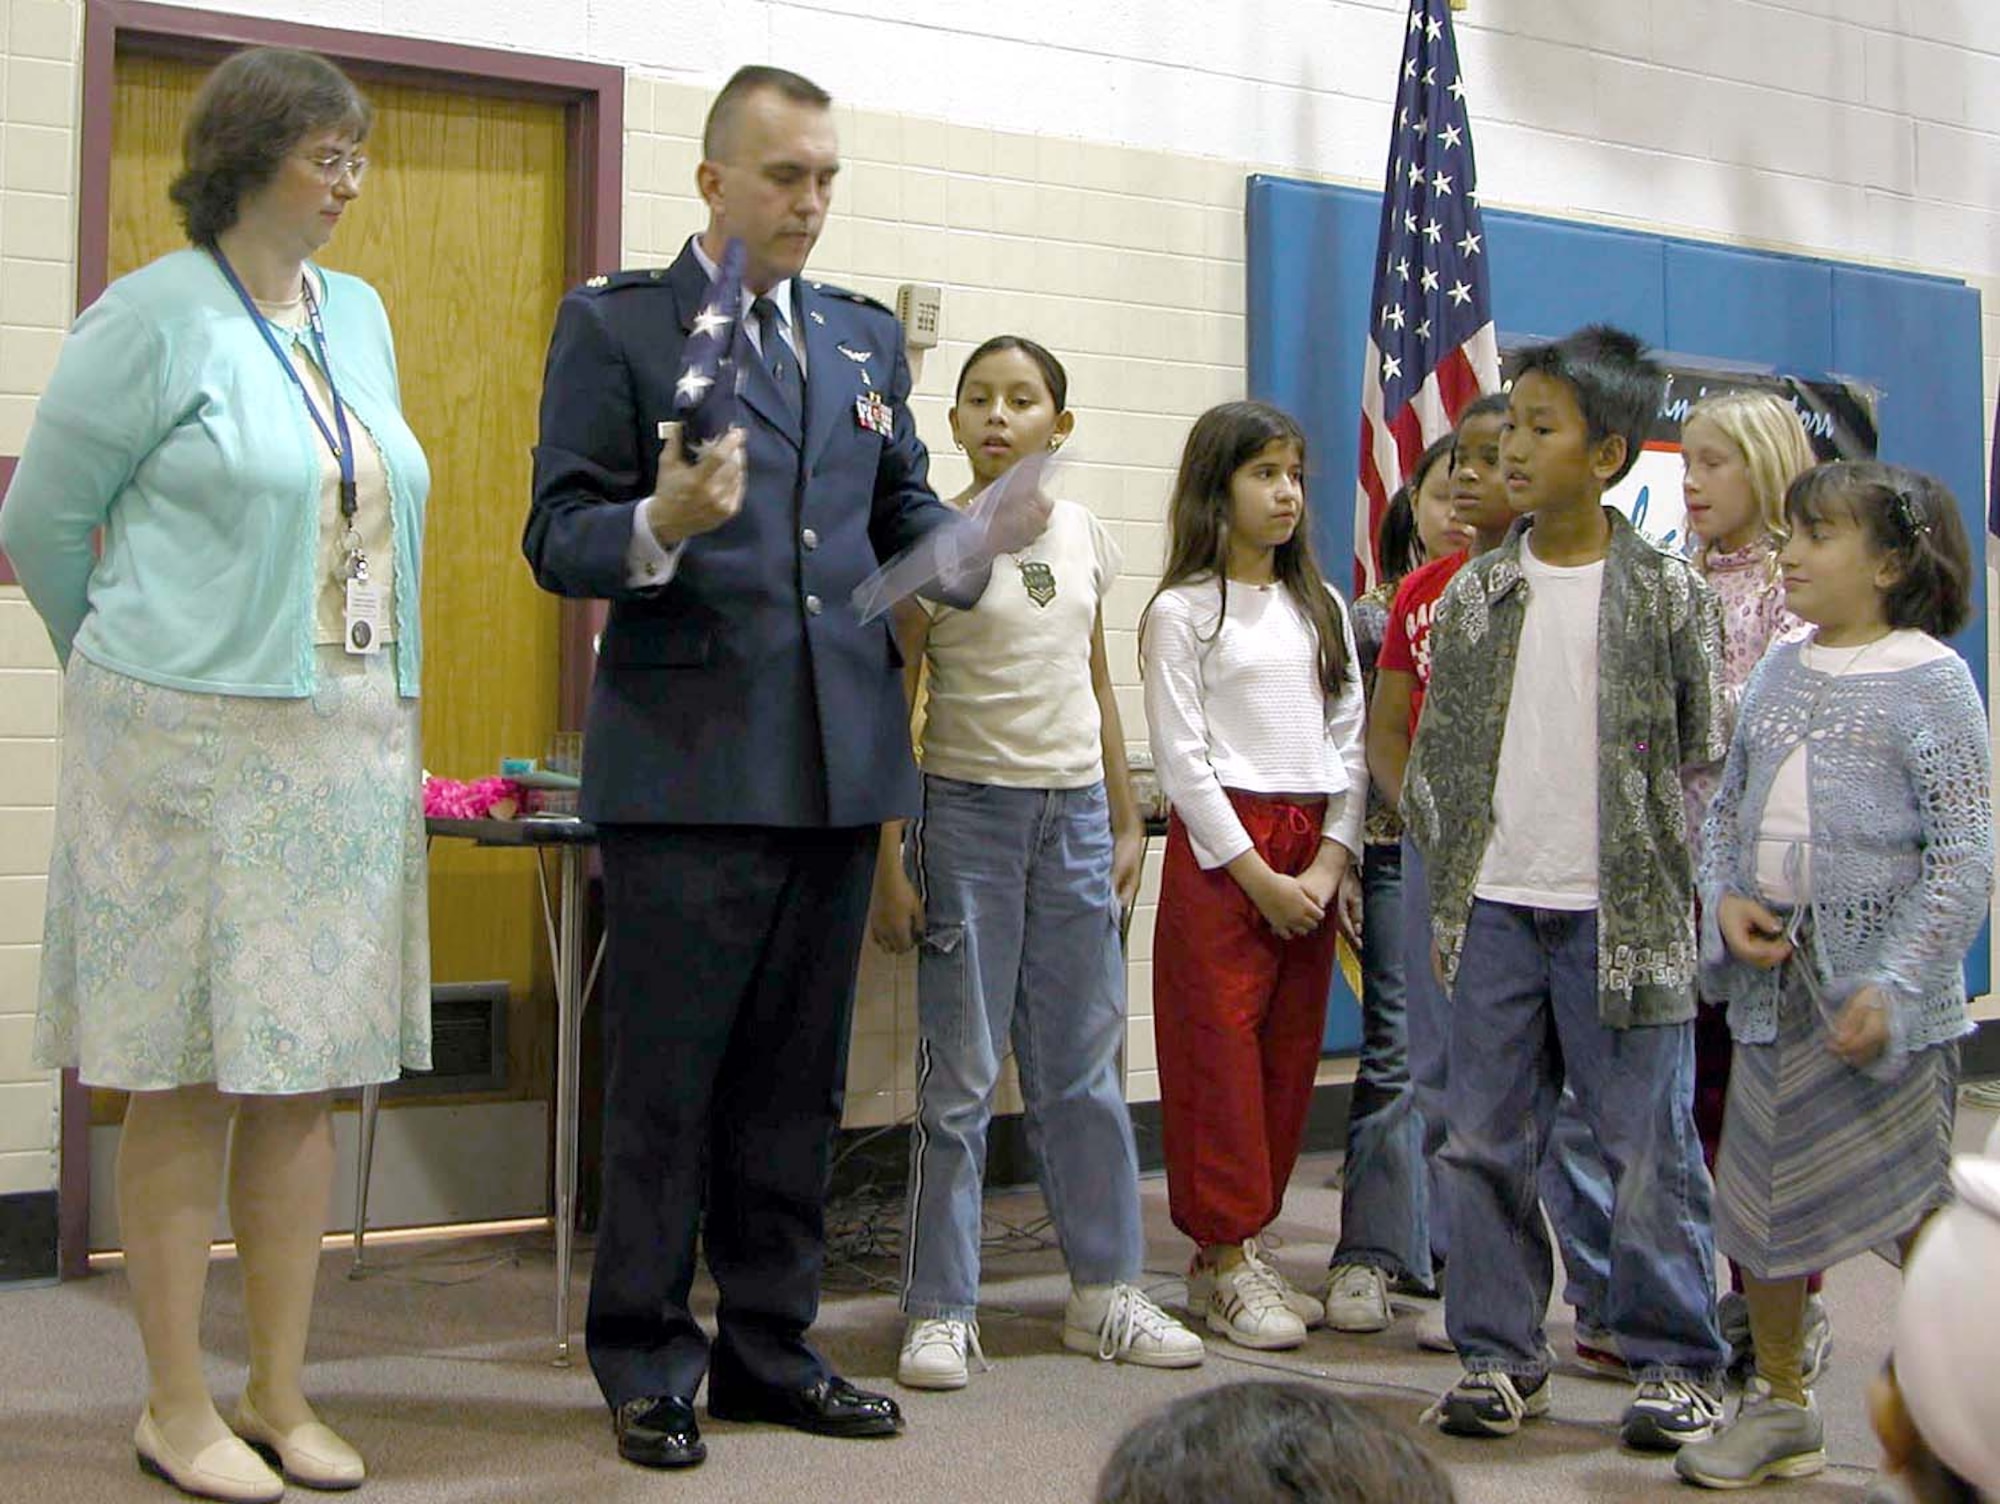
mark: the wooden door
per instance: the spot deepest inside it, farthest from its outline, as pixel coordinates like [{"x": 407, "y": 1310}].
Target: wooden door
[{"x": 460, "y": 227}]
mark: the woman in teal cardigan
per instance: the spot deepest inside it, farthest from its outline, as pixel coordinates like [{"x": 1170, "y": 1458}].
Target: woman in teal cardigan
[{"x": 236, "y": 916}]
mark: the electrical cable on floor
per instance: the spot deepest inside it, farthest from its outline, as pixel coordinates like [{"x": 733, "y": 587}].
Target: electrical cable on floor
[
  {"x": 864, "y": 1227},
  {"x": 410, "y": 1271}
]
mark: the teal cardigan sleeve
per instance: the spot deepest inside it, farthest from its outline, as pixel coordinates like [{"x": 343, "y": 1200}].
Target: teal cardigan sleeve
[{"x": 103, "y": 412}]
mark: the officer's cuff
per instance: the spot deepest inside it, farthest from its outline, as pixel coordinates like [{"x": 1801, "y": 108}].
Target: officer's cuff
[{"x": 649, "y": 563}]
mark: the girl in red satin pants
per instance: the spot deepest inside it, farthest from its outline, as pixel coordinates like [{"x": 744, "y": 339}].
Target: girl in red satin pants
[{"x": 1254, "y": 704}]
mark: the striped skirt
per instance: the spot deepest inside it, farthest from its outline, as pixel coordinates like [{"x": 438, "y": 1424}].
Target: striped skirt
[{"x": 1820, "y": 1162}]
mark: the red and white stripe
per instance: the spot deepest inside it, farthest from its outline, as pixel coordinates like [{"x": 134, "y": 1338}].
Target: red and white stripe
[{"x": 1391, "y": 444}]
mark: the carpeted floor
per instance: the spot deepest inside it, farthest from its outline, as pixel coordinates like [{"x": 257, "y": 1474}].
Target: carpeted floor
[{"x": 437, "y": 1367}]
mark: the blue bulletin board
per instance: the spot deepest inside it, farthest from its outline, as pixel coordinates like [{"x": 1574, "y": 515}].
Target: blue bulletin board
[{"x": 1914, "y": 339}]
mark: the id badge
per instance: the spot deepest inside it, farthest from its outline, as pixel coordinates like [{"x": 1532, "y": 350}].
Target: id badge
[{"x": 362, "y": 625}]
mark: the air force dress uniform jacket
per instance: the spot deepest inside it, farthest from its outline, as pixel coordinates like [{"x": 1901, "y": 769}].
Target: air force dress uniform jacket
[{"x": 746, "y": 690}]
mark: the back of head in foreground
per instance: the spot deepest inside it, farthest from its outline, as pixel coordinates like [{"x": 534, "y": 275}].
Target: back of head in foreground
[
  {"x": 1268, "y": 1444},
  {"x": 1936, "y": 1407}
]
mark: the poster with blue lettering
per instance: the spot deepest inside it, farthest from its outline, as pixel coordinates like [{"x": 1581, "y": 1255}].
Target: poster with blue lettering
[{"x": 1839, "y": 417}]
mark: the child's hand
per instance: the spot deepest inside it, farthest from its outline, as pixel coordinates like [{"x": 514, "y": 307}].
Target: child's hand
[
  {"x": 1347, "y": 911},
  {"x": 895, "y": 911},
  {"x": 1288, "y": 906},
  {"x": 1861, "y": 1033},
  {"x": 1754, "y": 935},
  {"x": 1127, "y": 852}
]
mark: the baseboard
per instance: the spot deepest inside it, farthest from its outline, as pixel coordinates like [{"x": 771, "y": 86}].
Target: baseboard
[
  {"x": 435, "y": 1164},
  {"x": 27, "y": 1237}
]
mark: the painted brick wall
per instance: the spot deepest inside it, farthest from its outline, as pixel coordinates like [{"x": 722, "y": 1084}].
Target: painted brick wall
[
  {"x": 38, "y": 105},
  {"x": 1088, "y": 192}
]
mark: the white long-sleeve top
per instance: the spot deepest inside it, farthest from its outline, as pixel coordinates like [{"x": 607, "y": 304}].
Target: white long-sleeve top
[{"x": 1243, "y": 709}]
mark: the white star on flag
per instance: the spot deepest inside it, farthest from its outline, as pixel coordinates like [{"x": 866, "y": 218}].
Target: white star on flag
[
  {"x": 691, "y": 385},
  {"x": 709, "y": 322},
  {"x": 1431, "y": 346}
]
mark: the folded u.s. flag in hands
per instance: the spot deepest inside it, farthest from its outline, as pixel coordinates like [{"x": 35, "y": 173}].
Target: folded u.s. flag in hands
[{"x": 705, "y": 403}]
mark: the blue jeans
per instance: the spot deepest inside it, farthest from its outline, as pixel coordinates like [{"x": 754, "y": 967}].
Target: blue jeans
[
  {"x": 1576, "y": 1188},
  {"x": 1427, "y": 1023},
  {"x": 1385, "y": 1182},
  {"x": 1525, "y": 1022},
  {"x": 1020, "y": 943}
]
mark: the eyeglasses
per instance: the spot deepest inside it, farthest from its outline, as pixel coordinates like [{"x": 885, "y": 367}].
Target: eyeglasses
[{"x": 334, "y": 165}]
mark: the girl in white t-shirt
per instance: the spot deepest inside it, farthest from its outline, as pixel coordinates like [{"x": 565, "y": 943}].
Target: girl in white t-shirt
[
  {"x": 1024, "y": 862},
  {"x": 1253, "y": 693}
]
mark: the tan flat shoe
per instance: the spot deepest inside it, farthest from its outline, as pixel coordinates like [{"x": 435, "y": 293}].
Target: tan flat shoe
[
  {"x": 311, "y": 1455},
  {"x": 225, "y": 1469}
]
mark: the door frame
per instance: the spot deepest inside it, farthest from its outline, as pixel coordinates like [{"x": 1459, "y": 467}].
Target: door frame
[{"x": 593, "y": 100}]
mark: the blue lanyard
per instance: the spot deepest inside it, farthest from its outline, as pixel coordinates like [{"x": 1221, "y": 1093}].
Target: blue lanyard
[{"x": 342, "y": 447}]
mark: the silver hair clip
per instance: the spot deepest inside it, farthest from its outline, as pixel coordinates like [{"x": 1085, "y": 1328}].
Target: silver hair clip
[{"x": 1915, "y": 523}]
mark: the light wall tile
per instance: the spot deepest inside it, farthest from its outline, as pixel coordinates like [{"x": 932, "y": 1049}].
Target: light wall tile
[{"x": 27, "y": 1115}]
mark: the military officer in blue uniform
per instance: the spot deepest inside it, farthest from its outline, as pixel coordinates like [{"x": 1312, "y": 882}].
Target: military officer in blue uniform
[{"x": 746, "y": 736}]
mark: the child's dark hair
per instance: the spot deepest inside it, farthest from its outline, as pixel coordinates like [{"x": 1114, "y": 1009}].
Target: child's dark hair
[
  {"x": 1264, "y": 1443},
  {"x": 1052, "y": 370},
  {"x": 1222, "y": 440},
  {"x": 1493, "y": 404},
  {"x": 1617, "y": 385},
  {"x": 1398, "y": 549},
  {"x": 1909, "y": 517}
]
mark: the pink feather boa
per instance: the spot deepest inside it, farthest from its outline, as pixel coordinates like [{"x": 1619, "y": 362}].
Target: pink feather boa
[{"x": 483, "y": 798}]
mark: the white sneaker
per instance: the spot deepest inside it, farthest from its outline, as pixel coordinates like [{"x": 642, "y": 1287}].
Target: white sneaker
[
  {"x": 1201, "y": 1285},
  {"x": 1121, "y": 1324},
  {"x": 1306, "y": 1307},
  {"x": 1247, "y": 1305},
  {"x": 1431, "y": 1334},
  {"x": 934, "y": 1351},
  {"x": 1357, "y": 1298}
]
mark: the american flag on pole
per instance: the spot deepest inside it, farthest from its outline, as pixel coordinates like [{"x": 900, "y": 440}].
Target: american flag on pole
[{"x": 1431, "y": 347}]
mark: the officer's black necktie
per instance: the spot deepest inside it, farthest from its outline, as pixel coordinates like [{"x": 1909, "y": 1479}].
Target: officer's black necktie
[{"x": 778, "y": 357}]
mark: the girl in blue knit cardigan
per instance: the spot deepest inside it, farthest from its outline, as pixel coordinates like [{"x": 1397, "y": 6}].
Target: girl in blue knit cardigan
[{"x": 1847, "y": 867}]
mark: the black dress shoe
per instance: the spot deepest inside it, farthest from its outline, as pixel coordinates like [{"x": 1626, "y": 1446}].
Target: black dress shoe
[
  {"x": 832, "y": 1407},
  {"x": 658, "y": 1430}
]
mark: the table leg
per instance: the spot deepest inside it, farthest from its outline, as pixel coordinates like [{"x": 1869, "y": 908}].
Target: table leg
[
  {"x": 364, "y": 1169},
  {"x": 565, "y": 931}
]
